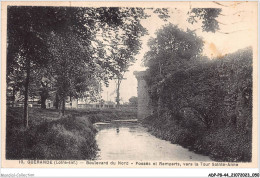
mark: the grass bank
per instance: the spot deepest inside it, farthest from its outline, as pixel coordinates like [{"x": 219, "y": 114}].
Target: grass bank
[
  {"x": 221, "y": 144},
  {"x": 52, "y": 137}
]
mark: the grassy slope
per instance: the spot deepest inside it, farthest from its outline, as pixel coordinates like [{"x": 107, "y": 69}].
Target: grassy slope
[{"x": 51, "y": 137}]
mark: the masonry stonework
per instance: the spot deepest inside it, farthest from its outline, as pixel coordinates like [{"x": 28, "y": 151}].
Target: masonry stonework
[{"x": 143, "y": 96}]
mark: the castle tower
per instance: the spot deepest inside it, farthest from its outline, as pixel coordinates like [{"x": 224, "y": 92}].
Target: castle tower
[{"x": 143, "y": 96}]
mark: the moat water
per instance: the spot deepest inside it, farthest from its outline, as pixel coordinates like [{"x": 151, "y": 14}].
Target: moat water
[{"x": 131, "y": 141}]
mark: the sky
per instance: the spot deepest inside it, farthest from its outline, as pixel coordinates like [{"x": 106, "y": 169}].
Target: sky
[{"x": 238, "y": 29}]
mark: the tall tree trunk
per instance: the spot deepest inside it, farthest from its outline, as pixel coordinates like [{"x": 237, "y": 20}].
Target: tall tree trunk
[
  {"x": 63, "y": 106},
  {"x": 118, "y": 93},
  {"x": 43, "y": 102},
  {"x": 26, "y": 91},
  {"x": 57, "y": 101},
  {"x": 44, "y": 95}
]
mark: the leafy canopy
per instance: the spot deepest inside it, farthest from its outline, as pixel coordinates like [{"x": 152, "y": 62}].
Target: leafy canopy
[{"x": 172, "y": 49}]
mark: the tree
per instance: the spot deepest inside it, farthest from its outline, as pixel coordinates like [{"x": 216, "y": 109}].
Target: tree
[
  {"x": 133, "y": 101},
  {"x": 122, "y": 42},
  {"x": 69, "y": 66},
  {"x": 172, "y": 49},
  {"x": 44, "y": 92}
]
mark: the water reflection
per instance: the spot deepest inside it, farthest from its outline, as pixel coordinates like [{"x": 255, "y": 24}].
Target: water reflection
[{"x": 131, "y": 141}]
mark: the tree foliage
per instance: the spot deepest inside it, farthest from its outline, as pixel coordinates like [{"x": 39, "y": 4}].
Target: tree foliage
[
  {"x": 172, "y": 49},
  {"x": 121, "y": 44},
  {"x": 208, "y": 17},
  {"x": 133, "y": 101}
]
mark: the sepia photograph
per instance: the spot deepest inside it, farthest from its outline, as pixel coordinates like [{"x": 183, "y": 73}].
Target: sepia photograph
[{"x": 129, "y": 84}]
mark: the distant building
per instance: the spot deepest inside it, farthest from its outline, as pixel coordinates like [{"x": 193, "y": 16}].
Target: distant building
[
  {"x": 33, "y": 102},
  {"x": 84, "y": 103},
  {"x": 71, "y": 103},
  {"x": 49, "y": 103}
]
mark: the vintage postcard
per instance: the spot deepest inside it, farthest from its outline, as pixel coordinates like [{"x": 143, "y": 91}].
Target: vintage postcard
[{"x": 129, "y": 85}]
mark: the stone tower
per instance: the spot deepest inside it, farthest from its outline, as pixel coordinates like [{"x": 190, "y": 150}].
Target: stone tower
[{"x": 143, "y": 96}]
